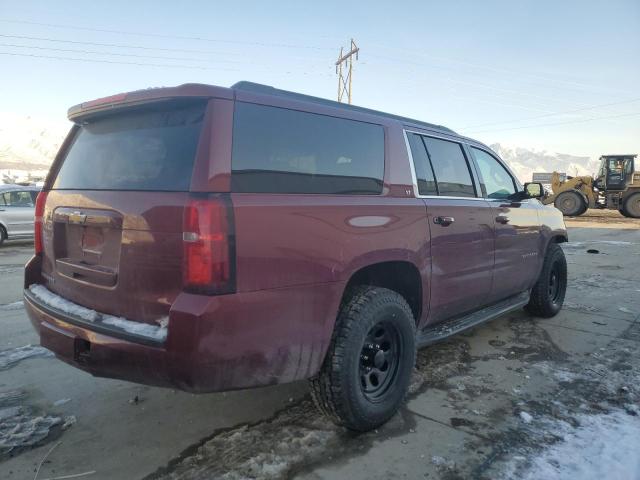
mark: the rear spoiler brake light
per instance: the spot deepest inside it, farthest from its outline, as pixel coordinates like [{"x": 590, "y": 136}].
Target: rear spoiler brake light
[{"x": 105, "y": 100}]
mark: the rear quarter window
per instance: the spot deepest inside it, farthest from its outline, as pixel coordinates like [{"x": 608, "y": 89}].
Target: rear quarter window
[
  {"x": 276, "y": 150},
  {"x": 137, "y": 150}
]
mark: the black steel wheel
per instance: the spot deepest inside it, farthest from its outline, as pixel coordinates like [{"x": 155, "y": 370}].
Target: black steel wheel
[
  {"x": 379, "y": 359},
  {"x": 366, "y": 372},
  {"x": 554, "y": 283}
]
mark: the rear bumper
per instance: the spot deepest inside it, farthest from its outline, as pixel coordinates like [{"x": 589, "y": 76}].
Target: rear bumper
[
  {"x": 100, "y": 350},
  {"x": 214, "y": 343}
]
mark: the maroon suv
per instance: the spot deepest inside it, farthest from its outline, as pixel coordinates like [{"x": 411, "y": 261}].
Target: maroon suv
[{"x": 213, "y": 238}]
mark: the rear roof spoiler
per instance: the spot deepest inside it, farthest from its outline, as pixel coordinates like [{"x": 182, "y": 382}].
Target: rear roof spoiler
[{"x": 149, "y": 95}]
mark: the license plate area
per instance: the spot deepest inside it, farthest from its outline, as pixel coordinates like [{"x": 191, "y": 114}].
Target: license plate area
[{"x": 87, "y": 245}]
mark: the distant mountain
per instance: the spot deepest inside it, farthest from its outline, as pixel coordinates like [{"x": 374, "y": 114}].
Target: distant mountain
[
  {"x": 27, "y": 143},
  {"x": 524, "y": 162}
]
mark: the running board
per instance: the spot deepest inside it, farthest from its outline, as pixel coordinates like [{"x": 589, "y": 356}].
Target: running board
[{"x": 444, "y": 330}]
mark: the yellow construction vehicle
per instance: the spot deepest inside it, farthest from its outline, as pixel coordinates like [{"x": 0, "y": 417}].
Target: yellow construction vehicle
[{"x": 616, "y": 187}]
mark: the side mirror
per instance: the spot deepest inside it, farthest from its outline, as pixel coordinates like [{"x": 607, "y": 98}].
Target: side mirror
[{"x": 534, "y": 190}]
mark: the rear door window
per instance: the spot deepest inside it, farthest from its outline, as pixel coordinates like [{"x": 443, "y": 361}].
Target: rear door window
[
  {"x": 277, "y": 150},
  {"x": 498, "y": 183},
  {"x": 150, "y": 149},
  {"x": 17, "y": 199},
  {"x": 450, "y": 168}
]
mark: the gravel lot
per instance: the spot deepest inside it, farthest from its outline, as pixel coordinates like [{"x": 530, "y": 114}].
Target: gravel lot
[{"x": 517, "y": 398}]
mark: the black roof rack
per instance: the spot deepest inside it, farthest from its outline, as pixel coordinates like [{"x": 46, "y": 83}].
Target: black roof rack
[{"x": 269, "y": 90}]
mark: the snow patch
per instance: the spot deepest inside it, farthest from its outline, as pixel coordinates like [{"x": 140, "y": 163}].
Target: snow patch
[
  {"x": 155, "y": 332},
  {"x": 559, "y": 373},
  {"x": 19, "y": 427},
  {"x": 603, "y": 446},
  {"x": 526, "y": 417},
  {"x": 11, "y": 306},
  {"x": 136, "y": 328},
  {"x": 8, "y": 358}
]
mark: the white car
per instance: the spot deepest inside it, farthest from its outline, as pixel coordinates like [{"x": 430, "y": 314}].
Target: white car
[{"x": 17, "y": 209}]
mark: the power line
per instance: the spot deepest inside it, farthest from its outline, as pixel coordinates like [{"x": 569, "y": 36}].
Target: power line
[
  {"x": 481, "y": 85},
  {"x": 116, "y": 45},
  {"x": 127, "y": 46},
  {"x": 553, "y": 114},
  {"x": 557, "y": 123},
  {"x": 485, "y": 67},
  {"x": 108, "y": 61},
  {"x": 193, "y": 67},
  {"x": 161, "y": 35},
  {"x": 108, "y": 53}
]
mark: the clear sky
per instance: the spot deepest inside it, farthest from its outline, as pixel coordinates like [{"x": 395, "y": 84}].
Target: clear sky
[{"x": 557, "y": 75}]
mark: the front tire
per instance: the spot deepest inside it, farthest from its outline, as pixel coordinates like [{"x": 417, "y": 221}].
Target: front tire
[
  {"x": 366, "y": 372},
  {"x": 547, "y": 295},
  {"x": 3, "y": 235},
  {"x": 571, "y": 204}
]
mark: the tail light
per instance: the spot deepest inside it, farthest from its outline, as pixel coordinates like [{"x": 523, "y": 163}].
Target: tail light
[
  {"x": 209, "y": 247},
  {"x": 41, "y": 200}
]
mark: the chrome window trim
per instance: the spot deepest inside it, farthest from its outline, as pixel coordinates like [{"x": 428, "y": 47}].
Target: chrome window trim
[{"x": 412, "y": 166}]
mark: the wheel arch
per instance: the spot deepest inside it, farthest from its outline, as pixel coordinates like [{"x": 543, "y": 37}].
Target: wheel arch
[
  {"x": 629, "y": 192},
  {"x": 559, "y": 238},
  {"x": 401, "y": 276}
]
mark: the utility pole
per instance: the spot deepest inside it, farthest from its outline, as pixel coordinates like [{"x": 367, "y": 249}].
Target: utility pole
[{"x": 344, "y": 81}]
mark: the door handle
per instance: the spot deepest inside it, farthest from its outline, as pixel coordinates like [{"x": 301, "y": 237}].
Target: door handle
[
  {"x": 444, "y": 221},
  {"x": 502, "y": 219}
]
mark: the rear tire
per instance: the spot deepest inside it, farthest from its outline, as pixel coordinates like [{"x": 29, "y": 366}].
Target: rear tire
[
  {"x": 631, "y": 207},
  {"x": 570, "y": 204},
  {"x": 3, "y": 235},
  {"x": 366, "y": 372},
  {"x": 547, "y": 295}
]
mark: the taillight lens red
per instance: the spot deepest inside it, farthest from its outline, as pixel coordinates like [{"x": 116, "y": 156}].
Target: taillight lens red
[
  {"x": 41, "y": 200},
  {"x": 208, "y": 246}
]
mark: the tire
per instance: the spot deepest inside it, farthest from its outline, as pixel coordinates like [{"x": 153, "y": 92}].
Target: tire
[
  {"x": 570, "y": 204},
  {"x": 631, "y": 207},
  {"x": 547, "y": 295},
  {"x": 624, "y": 213},
  {"x": 583, "y": 209},
  {"x": 365, "y": 375},
  {"x": 3, "y": 235}
]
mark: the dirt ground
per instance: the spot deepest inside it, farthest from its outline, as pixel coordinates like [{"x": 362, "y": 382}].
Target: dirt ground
[{"x": 519, "y": 397}]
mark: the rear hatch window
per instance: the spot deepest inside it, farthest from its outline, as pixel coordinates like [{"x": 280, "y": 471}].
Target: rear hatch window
[{"x": 144, "y": 150}]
